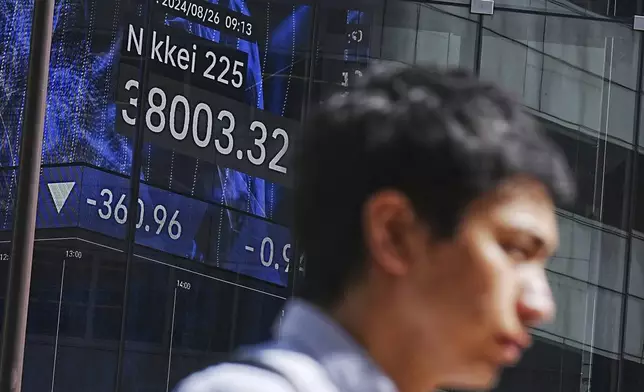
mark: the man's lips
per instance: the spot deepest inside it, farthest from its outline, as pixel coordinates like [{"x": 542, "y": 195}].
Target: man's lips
[{"x": 512, "y": 347}]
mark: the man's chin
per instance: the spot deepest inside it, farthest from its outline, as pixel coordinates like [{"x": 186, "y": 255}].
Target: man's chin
[{"x": 479, "y": 379}]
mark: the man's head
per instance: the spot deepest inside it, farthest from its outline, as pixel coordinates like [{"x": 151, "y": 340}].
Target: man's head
[{"x": 425, "y": 208}]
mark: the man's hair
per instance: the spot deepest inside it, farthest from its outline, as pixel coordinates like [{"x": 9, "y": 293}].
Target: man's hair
[{"x": 442, "y": 138}]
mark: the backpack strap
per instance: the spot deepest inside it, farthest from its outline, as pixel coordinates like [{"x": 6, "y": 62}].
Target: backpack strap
[
  {"x": 254, "y": 362},
  {"x": 299, "y": 370}
]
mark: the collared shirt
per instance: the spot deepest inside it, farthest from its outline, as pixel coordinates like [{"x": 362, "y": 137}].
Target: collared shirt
[{"x": 306, "y": 330}]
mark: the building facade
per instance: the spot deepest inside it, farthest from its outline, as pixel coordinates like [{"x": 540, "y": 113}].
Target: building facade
[{"x": 181, "y": 114}]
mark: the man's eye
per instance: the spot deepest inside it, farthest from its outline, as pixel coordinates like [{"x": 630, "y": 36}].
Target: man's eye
[{"x": 516, "y": 253}]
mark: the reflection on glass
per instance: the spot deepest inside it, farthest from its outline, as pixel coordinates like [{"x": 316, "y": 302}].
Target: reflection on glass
[
  {"x": 228, "y": 225},
  {"x": 634, "y": 339},
  {"x": 578, "y": 74},
  {"x": 5, "y": 252},
  {"x": 632, "y": 376},
  {"x": 446, "y": 37},
  {"x": 639, "y": 191},
  {"x": 586, "y": 314},
  {"x": 590, "y": 8},
  {"x": 180, "y": 322},
  {"x": 256, "y": 315},
  {"x": 200, "y": 323},
  {"x": 589, "y": 254},
  {"x": 428, "y": 34},
  {"x": 636, "y": 283},
  {"x": 546, "y": 366},
  {"x": 65, "y": 350},
  {"x": 601, "y": 169}
]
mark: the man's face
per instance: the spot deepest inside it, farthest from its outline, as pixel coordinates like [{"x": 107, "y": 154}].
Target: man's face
[{"x": 466, "y": 303}]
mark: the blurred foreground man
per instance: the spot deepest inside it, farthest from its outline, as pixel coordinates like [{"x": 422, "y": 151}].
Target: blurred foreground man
[{"x": 425, "y": 207}]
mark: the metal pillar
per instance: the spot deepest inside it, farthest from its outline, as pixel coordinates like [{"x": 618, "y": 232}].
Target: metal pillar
[
  {"x": 135, "y": 184},
  {"x": 24, "y": 220}
]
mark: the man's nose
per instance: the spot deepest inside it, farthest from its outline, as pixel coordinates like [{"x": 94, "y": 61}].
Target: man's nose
[{"x": 536, "y": 304}]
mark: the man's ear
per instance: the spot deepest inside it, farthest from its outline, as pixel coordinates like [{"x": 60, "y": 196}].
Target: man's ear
[{"x": 389, "y": 226}]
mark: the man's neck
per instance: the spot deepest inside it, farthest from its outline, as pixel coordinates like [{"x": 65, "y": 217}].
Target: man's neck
[{"x": 369, "y": 322}]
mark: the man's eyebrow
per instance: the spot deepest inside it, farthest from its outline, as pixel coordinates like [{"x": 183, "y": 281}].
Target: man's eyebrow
[
  {"x": 539, "y": 241},
  {"x": 531, "y": 237}
]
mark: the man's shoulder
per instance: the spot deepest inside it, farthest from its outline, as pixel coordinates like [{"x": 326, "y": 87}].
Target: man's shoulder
[
  {"x": 272, "y": 368},
  {"x": 235, "y": 377}
]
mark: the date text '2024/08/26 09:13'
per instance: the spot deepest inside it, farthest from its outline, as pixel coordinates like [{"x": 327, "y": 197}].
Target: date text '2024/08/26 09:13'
[{"x": 210, "y": 15}]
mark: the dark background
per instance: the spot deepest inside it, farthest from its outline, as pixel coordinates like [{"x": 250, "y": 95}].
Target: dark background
[{"x": 304, "y": 52}]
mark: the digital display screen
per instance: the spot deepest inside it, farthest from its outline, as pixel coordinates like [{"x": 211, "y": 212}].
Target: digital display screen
[
  {"x": 77, "y": 293},
  {"x": 220, "y": 105},
  {"x": 92, "y": 199},
  {"x": 216, "y": 89}
]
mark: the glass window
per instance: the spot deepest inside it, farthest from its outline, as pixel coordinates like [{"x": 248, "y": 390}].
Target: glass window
[
  {"x": 457, "y": 1},
  {"x": 61, "y": 353},
  {"x": 201, "y": 325},
  {"x": 256, "y": 315},
  {"x": 636, "y": 278},
  {"x": 633, "y": 376},
  {"x": 150, "y": 302},
  {"x": 402, "y": 32},
  {"x": 203, "y": 310},
  {"x": 446, "y": 36},
  {"x": 603, "y": 372},
  {"x": 145, "y": 370},
  {"x": 14, "y": 59},
  {"x": 586, "y": 315},
  {"x": 600, "y": 168},
  {"x": 578, "y": 73},
  {"x": 76, "y": 297},
  {"x": 641, "y": 128},
  {"x": 8, "y": 189},
  {"x": 428, "y": 34},
  {"x": 5, "y": 251},
  {"x": 42, "y": 320},
  {"x": 634, "y": 339},
  {"x": 180, "y": 320},
  {"x": 590, "y": 254},
  {"x": 150, "y": 316},
  {"x": 639, "y": 194},
  {"x": 347, "y": 39},
  {"x": 571, "y": 364},
  {"x": 46, "y": 280},
  {"x": 108, "y": 297},
  {"x": 592, "y": 8},
  {"x": 85, "y": 369},
  {"x": 548, "y": 365}
]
